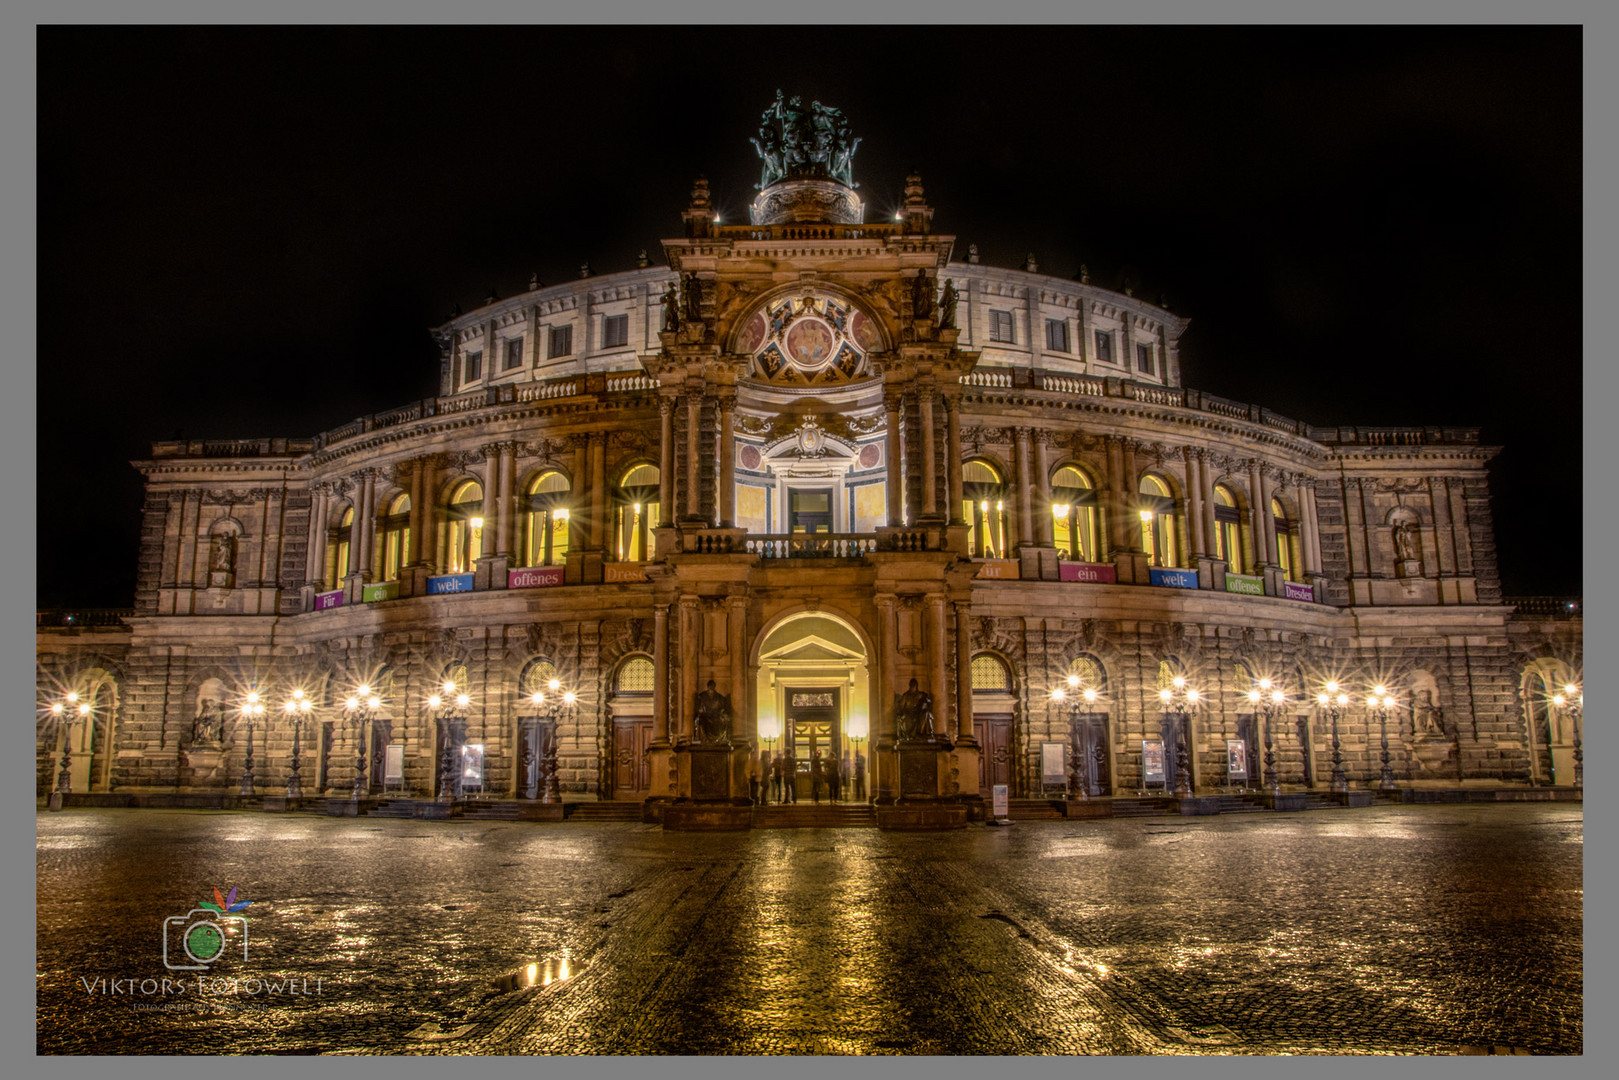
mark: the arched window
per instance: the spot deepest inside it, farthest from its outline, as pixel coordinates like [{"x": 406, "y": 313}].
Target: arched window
[
  {"x": 1157, "y": 509},
  {"x": 1228, "y": 530},
  {"x": 463, "y": 528},
  {"x": 1168, "y": 671},
  {"x": 984, "y": 506},
  {"x": 1074, "y": 515},
  {"x": 395, "y": 529},
  {"x": 337, "y": 550},
  {"x": 989, "y": 675},
  {"x": 1091, "y": 674},
  {"x": 546, "y": 520},
  {"x": 638, "y": 513},
  {"x": 635, "y": 677},
  {"x": 1286, "y": 542},
  {"x": 537, "y": 676}
]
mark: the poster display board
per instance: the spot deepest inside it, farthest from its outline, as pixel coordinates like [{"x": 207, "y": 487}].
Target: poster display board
[
  {"x": 1053, "y": 770},
  {"x": 1152, "y": 761},
  {"x": 999, "y": 800},
  {"x": 1236, "y": 757},
  {"x": 393, "y": 764}
]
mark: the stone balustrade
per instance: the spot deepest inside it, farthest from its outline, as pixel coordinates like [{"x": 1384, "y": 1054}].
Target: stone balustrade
[{"x": 811, "y": 545}]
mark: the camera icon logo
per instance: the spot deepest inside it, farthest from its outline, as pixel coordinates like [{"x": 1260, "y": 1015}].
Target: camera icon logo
[{"x": 203, "y": 934}]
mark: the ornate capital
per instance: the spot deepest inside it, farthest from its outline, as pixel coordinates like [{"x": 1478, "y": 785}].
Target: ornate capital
[{"x": 893, "y": 400}]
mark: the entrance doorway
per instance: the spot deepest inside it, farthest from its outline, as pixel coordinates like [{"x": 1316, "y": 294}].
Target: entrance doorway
[
  {"x": 812, "y": 727},
  {"x": 809, "y": 510},
  {"x": 994, "y": 735},
  {"x": 631, "y": 768}
]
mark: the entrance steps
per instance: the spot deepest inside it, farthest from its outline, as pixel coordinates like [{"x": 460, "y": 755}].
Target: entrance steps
[
  {"x": 1150, "y": 806},
  {"x": 603, "y": 811},
  {"x": 813, "y": 816},
  {"x": 1035, "y": 809}
]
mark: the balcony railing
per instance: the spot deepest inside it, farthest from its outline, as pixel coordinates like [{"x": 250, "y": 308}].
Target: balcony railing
[{"x": 811, "y": 545}]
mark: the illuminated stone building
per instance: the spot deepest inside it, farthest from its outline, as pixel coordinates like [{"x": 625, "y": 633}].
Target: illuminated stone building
[{"x": 811, "y": 458}]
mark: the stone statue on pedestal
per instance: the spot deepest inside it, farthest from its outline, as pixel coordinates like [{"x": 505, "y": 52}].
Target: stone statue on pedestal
[
  {"x": 671, "y": 309},
  {"x": 913, "y": 714},
  {"x": 947, "y": 306},
  {"x": 208, "y": 727},
  {"x": 712, "y": 717}
]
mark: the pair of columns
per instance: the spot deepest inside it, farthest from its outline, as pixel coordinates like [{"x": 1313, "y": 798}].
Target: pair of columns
[{"x": 896, "y": 447}]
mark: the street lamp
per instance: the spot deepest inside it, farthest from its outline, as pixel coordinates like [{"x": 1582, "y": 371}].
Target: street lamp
[
  {"x": 1073, "y": 695},
  {"x": 559, "y": 704},
  {"x": 252, "y": 709},
  {"x": 1572, "y": 702},
  {"x": 451, "y": 708},
  {"x": 66, "y": 713},
  {"x": 1379, "y": 702},
  {"x": 1268, "y": 701},
  {"x": 769, "y": 732},
  {"x": 1183, "y": 701},
  {"x": 859, "y": 730},
  {"x": 1334, "y": 701},
  {"x": 360, "y": 707},
  {"x": 297, "y": 708}
]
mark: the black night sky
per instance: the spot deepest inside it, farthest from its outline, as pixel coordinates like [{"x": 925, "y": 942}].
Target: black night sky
[{"x": 248, "y": 232}]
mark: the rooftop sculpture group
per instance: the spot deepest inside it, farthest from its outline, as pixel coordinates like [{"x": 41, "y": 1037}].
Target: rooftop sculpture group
[{"x": 800, "y": 144}]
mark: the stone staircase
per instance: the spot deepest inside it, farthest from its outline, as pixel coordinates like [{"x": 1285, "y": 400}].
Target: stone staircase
[
  {"x": 603, "y": 811},
  {"x": 1035, "y": 809},
  {"x": 1153, "y": 806},
  {"x": 392, "y": 808},
  {"x": 813, "y": 816}
]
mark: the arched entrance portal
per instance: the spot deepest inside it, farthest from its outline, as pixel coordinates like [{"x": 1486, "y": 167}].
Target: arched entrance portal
[{"x": 812, "y": 677}]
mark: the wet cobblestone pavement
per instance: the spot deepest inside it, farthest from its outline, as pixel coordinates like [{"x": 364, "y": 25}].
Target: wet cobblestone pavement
[{"x": 1391, "y": 930}]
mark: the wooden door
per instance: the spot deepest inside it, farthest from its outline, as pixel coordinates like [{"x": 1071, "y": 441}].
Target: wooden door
[
  {"x": 994, "y": 735},
  {"x": 632, "y": 770},
  {"x": 812, "y": 724}
]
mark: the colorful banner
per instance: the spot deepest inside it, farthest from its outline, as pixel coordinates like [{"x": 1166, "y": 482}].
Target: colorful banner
[
  {"x": 325, "y": 601},
  {"x": 449, "y": 583},
  {"x": 1296, "y": 591},
  {"x": 534, "y": 577},
  {"x": 1152, "y": 761},
  {"x": 388, "y": 590},
  {"x": 1173, "y": 579},
  {"x": 1242, "y": 583},
  {"x": 999, "y": 803},
  {"x": 629, "y": 571},
  {"x": 998, "y": 568},
  {"x": 1105, "y": 573}
]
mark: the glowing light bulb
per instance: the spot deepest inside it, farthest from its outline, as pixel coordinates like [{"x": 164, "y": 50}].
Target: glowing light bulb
[
  {"x": 1090, "y": 695},
  {"x": 554, "y": 685},
  {"x": 434, "y": 702},
  {"x": 297, "y": 695},
  {"x": 538, "y": 698},
  {"x": 1264, "y": 684},
  {"x": 1073, "y": 682},
  {"x": 1570, "y": 689},
  {"x": 1163, "y": 695},
  {"x": 1343, "y": 699},
  {"x": 1321, "y": 699},
  {"x": 1557, "y": 699},
  {"x": 73, "y": 697},
  {"x": 462, "y": 700},
  {"x": 1277, "y": 696},
  {"x": 449, "y": 687},
  {"x": 476, "y": 523},
  {"x": 1253, "y": 696},
  {"x": 56, "y": 708},
  {"x": 1192, "y": 696},
  {"x": 364, "y": 690},
  {"x": 1179, "y": 682},
  {"x": 375, "y": 703},
  {"x": 1332, "y": 687},
  {"x": 568, "y": 698},
  {"x": 1058, "y": 695},
  {"x": 84, "y": 709},
  {"x": 352, "y": 703},
  {"x": 1380, "y": 690},
  {"x": 252, "y": 697}
]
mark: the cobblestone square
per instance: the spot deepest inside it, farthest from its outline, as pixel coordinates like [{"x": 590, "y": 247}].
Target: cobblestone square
[{"x": 1389, "y": 930}]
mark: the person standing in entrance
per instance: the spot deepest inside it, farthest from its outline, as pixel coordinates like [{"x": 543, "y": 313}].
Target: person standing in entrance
[
  {"x": 789, "y": 778},
  {"x": 834, "y": 778},
  {"x": 775, "y": 778},
  {"x": 860, "y": 776},
  {"x": 816, "y": 775}
]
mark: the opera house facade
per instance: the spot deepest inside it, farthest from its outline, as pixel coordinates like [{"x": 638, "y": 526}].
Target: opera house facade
[{"x": 662, "y": 527}]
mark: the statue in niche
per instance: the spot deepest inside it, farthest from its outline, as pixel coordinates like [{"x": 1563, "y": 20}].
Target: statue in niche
[
  {"x": 208, "y": 726},
  {"x": 694, "y": 298},
  {"x": 1429, "y": 717},
  {"x": 222, "y": 553},
  {"x": 947, "y": 306},
  {"x": 712, "y": 717},
  {"x": 921, "y": 296},
  {"x": 913, "y": 714},
  {"x": 1407, "y": 547},
  {"x": 671, "y": 309}
]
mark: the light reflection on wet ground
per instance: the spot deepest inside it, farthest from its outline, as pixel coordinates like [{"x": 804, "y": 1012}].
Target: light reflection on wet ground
[{"x": 1395, "y": 930}]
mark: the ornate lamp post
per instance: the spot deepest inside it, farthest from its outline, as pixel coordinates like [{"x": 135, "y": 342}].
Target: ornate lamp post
[
  {"x": 769, "y": 732},
  {"x": 297, "y": 708},
  {"x": 67, "y": 713},
  {"x": 1183, "y": 702},
  {"x": 1073, "y": 695},
  {"x": 1333, "y": 702},
  {"x": 859, "y": 730},
  {"x": 1379, "y": 702},
  {"x": 1268, "y": 701},
  {"x": 557, "y": 705},
  {"x": 1572, "y": 702},
  {"x": 252, "y": 709},
  {"x": 451, "y": 708},
  {"x": 360, "y": 707}
]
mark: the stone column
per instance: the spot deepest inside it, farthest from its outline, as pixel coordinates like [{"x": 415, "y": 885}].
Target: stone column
[
  {"x": 1206, "y": 486},
  {"x": 964, "y": 677},
  {"x": 598, "y": 489},
  {"x": 507, "y": 540},
  {"x": 666, "y": 458},
  {"x": 362, "y": 540},
  {"x": 429, "y": 519},
  {"x": 580, "y": 496},
  {"x": 1267, "y": 482},
  {"x": 745, "y": 721},
  {"x": 1443, "y": 526},
  {"x": 1025, "y": 520},
  {"x": 694, "y": 416},
  {"x": 1196, "y": 499},
  {"x": 727, "y": 407},
  {"x": 1116, "y": 503},
  {"x": 1127, "y": 498},
  {"x": 1256, "y": 517},
  {"x": 1043, "y": 524},
  {"x": 952, "y": 460},
  {"x": 879, "y": 765},
  {"x": 691, "y": 649},
  {"x": 938, "y": 661},
  {"x": 418, "y": 510},
  {"x": 315, "y": 560},
  {"x": 660, "y": 673},
  {"x": 930, "y": 502},
  {"x": 892, "y": 400},
  {"x": 491, "y": 501}
]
